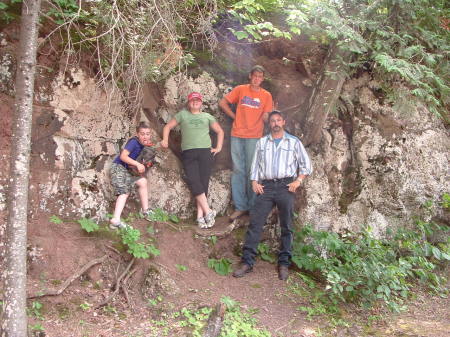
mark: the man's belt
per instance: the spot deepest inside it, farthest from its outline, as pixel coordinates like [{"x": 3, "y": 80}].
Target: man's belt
[{"x": 286, "y": 180}]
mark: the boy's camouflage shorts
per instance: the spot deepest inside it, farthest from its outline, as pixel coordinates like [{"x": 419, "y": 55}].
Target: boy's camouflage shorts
[{"x": 121, "y": 179}]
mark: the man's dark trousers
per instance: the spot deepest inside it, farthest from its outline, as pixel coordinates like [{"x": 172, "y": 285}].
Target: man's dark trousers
[{"x": 275, "y": 193}]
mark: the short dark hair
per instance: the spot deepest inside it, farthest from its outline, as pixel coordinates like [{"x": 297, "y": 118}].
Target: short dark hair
[
  {"x": 257, "y": 68},
  {"x": 142, "y": 125},
  {"x": 276, "y": 112}
]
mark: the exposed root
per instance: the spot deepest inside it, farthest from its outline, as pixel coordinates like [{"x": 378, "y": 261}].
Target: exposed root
[
  {"x": 117, "y": 286},
  {"x": 72, "y": 278},
  {"x": 125, "y": 288}
]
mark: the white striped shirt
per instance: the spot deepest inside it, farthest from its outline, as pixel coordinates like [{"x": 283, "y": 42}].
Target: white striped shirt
[{"x": 288, "y": 159}]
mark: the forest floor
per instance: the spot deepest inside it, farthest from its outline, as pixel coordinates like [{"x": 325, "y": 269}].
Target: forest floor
[{"x": 168, "y": 295}]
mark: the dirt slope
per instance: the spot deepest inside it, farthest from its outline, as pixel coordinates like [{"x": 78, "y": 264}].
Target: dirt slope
[{"x": 58, "y": 250}]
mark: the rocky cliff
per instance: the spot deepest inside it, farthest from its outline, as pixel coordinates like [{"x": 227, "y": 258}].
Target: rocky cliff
[{"x": 376, "y": 164}]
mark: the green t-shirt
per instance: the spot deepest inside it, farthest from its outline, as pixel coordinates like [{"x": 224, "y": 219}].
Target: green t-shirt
[{"x": 194, "y": 129}]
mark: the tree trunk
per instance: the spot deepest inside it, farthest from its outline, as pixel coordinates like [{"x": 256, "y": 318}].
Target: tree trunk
[
  {"x": 329, "y": 85},
  {"x": 323, "y": 98},
  {"x": 14, "y": 322},
  {"x": 215, "y": 321}
]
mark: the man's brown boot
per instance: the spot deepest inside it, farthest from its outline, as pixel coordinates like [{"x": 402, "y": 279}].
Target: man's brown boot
[
  {"x": 242, "y": 270},
  {"x": 283, "y": 272},
  {"x": 237, "y": 214}
]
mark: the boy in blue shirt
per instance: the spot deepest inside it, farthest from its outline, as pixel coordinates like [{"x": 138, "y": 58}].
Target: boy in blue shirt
[{"x": 122, "y": 179}]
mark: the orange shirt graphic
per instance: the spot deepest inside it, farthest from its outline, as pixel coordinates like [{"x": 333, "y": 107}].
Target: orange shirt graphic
[{"x": 251, "y": 105}]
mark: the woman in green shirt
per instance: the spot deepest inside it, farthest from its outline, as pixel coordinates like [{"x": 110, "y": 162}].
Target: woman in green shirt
[{"x": 197, "y": 153}]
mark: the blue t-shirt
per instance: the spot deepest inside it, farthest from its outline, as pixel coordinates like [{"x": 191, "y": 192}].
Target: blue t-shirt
[
  {"x": 277, "y": 141},
  {"x": 134, "y": 147}
]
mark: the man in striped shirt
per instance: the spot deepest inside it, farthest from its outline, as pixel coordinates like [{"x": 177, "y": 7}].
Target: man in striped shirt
[{"x": 280, "y": 164}]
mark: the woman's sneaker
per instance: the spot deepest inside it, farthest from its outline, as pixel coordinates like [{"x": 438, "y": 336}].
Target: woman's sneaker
[
  {"x": 201, "y": 223},
  {"x": 210, "y": 218},
  {"x": 119, "y": 225},
  {"x": 148, "y": 214}
]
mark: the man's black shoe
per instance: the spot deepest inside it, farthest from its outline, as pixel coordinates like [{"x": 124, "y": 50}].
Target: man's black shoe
[
  {"x": 242, "y": 270},
  {"x": 283, "y": 272}
]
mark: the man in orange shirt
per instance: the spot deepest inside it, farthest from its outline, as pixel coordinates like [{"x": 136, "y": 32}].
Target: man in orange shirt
[{"x": 253, "y": 105}]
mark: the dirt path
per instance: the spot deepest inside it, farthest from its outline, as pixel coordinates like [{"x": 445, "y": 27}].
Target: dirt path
[{"x": 64, "y": 247}]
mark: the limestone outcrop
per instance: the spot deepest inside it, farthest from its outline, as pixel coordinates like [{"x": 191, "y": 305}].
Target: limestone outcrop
[{"x": 376, "y": 165}]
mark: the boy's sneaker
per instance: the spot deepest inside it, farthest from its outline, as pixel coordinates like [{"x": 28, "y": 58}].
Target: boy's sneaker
[
  {"x": 119, "y": 225},
  {"x": 148, "y": 214},
  {"x": 201, "y": 223},
  {"x": 210, "y": 218}
]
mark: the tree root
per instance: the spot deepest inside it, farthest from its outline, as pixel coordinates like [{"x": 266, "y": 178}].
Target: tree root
[
  {"x": 221, "y": 231},
  {"x": 72, "y": 278},
  {"x": 125, "y": 288},
  {"x": 117, "y": 286}
]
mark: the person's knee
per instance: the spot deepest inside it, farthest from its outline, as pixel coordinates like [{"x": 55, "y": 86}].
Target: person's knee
[
  {"x": 238, "y": 168},
  {"x": 142, "y": 182},
  {"x": 123, "y": 196}
]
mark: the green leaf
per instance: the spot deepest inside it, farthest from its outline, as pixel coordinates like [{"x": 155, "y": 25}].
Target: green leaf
[
  {"x": 436, "y": 253},
  {"x": 221, "y": 266},
  {"x": 153, "y": 250},
  {"x": 240, "y": 35},
  {"x": 88, "y": 225},
  {"x": 229, "y": 302},
  {"x": 181, "y": 267},
  {"x": 174, "y": 218},
  {"x": 56, "y": 220}
]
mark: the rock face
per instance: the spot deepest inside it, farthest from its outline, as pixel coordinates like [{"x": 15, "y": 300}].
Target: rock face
[
  {"x": 376, "y": 164},
  {"x": 85, "y": 128},
  {"x": 169, "y": 191}
]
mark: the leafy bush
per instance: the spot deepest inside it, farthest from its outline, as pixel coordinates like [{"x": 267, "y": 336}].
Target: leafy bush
[
  {"x": 88, "y": 225},
  {"x": 357, "y": 267},
  {"x": 221, "y": 266},
  {"x": 398, "y": 41},
  {"x": 160, "y": 215},
  {"x": 129, "y": 236},
  {"x": 237, "y": 322},
  {"x": 65, "y": 10},
  {"x": 9, "y": 10},
  {"x": 35, "y": 310},
  {"x": 265, "y": 254}
]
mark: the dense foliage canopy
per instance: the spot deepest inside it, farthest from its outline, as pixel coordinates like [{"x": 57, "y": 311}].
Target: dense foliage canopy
[
  {"x": 406, "y": 42},
  {"x": 397, "y": 40}
]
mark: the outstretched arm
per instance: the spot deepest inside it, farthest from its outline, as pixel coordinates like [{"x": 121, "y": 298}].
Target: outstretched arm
[
  {"x": 217, "y": 129},
  {"x": 169, "y": 126}
]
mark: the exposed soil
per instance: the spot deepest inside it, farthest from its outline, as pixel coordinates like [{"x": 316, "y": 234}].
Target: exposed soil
[{"x": 58, "y": 250}]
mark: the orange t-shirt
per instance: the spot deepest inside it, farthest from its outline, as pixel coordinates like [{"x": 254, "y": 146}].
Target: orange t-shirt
[{"x": 251, "y": 105}]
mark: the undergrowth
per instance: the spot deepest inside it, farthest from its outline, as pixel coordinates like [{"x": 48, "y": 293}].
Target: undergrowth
[
  {"x": 130, "y": 237},
  {"x": 359, "y": 268},
  {"x": 237, "y": 322}
]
